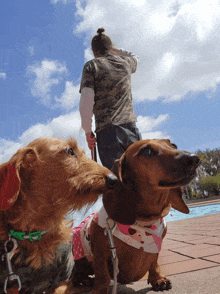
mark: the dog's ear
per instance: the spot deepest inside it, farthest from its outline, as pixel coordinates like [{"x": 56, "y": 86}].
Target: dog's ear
[
  {"x": 120, "y": 203},
  {"x": 9, "y": 184},
  {"x": 27, "y": 159},
  {"x": 116, "y": 169},
  {"x": 176, "y": 201},
  {"x": 10, "y": 181}
]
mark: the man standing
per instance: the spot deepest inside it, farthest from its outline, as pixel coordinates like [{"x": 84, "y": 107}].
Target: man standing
[{"x": 106, "y": 92}]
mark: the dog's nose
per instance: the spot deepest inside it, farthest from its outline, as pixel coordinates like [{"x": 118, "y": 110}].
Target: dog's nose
[
  {"x": 111, "y": 180},
  {"x": 190, "y": 160},
  {"x": 195, "y": 159}
]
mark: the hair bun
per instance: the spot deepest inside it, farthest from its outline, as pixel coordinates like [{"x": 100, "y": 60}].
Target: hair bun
[{"x": 100, "y": 31}]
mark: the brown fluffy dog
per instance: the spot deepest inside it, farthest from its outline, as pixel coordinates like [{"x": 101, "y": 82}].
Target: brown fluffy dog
[
  {"x": 47, "y": 179},
  {"x": 152, "y": 173}
]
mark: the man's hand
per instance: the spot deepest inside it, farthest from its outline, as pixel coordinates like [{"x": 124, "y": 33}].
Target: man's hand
[{"x": 91, "y": 140}]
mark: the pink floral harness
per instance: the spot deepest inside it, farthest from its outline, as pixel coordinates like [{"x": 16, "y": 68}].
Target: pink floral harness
[{"x": 146, "y": 236}]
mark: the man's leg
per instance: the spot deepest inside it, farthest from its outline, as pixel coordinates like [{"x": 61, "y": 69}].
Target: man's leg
[{"x": 114, "y": 140}]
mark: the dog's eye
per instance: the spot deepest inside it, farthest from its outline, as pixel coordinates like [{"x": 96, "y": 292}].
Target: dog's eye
[
  {"x": 148, "y": 151},
  {"x": 174, "y": 146},
  {"x": 70, "y": 152}
]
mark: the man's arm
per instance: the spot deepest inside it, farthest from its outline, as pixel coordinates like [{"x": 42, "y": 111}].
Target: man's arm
[
  {"x": 86, "y": 112},
  {"x": 123, "y": 52},
  {"x": 133, "y": 58}
]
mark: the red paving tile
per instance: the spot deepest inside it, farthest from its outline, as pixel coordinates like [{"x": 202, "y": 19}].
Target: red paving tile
[
  {"x": 215, "y": 258},
  {"x": 175, "y": 244},
  {"x": 186, "y": 266},
  {"x": 216, "y": 235},
  {"x": 166, "y": 253},
  {"x": 212, "y": 234},
  {"x": 174, "y": 257},
  {"x": 206, "y": 240},
  {"x": 185, "y": 238},
  {"x": 213, "y": 240},
  {"x": 200, "y": 250},
  {"x": 167, "y": 241}
]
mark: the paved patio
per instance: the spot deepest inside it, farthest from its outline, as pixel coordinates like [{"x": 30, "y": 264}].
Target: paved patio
[{"x": 190, "y": 257}]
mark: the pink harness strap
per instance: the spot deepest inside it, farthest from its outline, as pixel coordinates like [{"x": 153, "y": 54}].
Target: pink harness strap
[
  {"x": 146, "y": 236},
  {"x": 81, "y": 236}
]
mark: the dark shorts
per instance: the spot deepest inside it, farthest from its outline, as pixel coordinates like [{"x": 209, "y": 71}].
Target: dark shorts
[{"x": 114, "y": 140}]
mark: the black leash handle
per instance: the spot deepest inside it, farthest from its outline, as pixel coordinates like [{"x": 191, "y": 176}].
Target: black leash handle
[
  {"x": 94, "y": 154},
  {"x": 93, "y": 151}
]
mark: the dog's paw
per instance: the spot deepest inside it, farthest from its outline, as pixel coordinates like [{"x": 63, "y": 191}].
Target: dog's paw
[{"x": 162, "y": 284}]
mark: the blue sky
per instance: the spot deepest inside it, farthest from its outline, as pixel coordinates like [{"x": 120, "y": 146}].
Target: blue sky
[{"x": 45, "y": 43}]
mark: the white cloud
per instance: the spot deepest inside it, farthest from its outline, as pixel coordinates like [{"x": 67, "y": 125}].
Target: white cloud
[
  {"x": 62, "y": 127},
  {"x": 68, "y": 125},
  {"x": 88, "y": 54},
  {"x": 177, "y": 42},
  {"x": 3, "y": 75},
  {"x": 31, "y": 50},
  {"x": 45, "y": 77},
  {"x": 147, "y": 125},
  {"x": 7, "y": 149},
  {"x": 69, "y": 97}
]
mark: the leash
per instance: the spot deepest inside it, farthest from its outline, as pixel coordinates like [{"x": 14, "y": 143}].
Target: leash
[
  {"x": 94, "y": 154},
  {"x": 10, "y": 247},
  {"x": 93, "y": 151},
  {"x": 108, "y": 231}
]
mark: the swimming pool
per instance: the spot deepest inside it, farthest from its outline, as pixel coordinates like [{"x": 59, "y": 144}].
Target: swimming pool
[
  {"x": 172, "y": 216},
  {"x": 194, "y": 212}
]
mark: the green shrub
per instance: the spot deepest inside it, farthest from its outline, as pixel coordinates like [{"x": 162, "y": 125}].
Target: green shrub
[{"x": 211, "y": 184}]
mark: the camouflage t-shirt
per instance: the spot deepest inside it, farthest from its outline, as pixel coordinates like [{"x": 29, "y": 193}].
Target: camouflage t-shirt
[{"x": 110, "y": 78}]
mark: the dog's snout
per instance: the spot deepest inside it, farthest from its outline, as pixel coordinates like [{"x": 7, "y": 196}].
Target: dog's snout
[
  {"x": 111, "y": 180},
  {"x": 189, "y": 160},
  {"x": 195, "y": 159}
]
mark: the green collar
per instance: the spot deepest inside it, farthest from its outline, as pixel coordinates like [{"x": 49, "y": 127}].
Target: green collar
[{"x": 34, "y": 236}]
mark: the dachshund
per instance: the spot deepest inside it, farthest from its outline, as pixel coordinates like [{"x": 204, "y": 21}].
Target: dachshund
[
  {"x": 152, "y": 174},
  {"x": 39, "y": 185}
]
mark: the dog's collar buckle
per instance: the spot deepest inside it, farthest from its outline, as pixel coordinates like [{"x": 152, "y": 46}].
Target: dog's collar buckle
[{"x": 34, "y": 236}]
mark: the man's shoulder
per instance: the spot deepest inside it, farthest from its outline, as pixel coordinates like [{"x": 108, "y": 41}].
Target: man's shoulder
[{"x": 89, "y": 65}]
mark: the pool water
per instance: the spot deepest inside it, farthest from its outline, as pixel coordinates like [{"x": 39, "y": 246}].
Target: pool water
[
  {"x": 172, "y": 216},
  {"x": 194, "y": 212}
]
